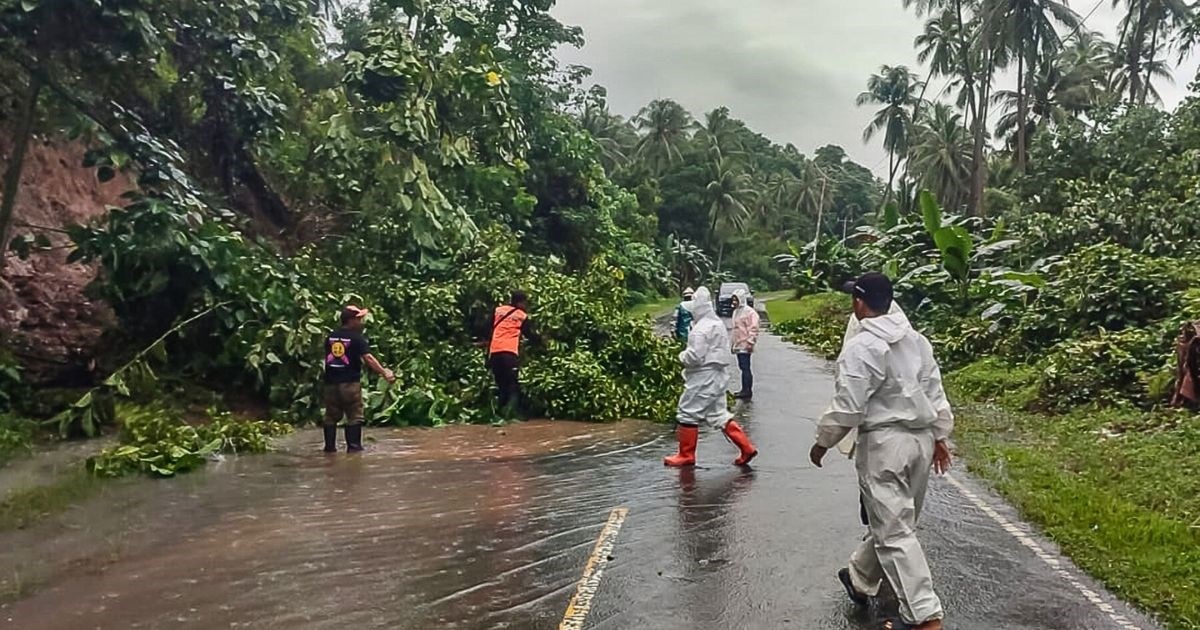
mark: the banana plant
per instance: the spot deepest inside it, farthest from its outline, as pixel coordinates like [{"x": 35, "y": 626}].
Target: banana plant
[{"x": 956, "y": 245}]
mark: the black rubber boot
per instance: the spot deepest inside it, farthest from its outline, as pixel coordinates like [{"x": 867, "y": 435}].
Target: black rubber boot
[
  {"x": 330, "y": 438},
  {"x": 855, "y": 595},
  {"x": 354, "y": 438}
]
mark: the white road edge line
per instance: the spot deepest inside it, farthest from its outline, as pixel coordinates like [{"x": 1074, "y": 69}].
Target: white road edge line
[
  {"x": 1054, "y": 563},
  {"x": 585, "y": 593}
]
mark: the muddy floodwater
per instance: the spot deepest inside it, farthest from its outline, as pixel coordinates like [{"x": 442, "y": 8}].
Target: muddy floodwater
[{"x": 484, "y": 527}]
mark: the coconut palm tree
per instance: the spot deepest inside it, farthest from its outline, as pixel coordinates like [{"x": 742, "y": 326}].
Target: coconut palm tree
[
  {"x": 896, "y": 88},
  {"x": 730, "y": 194},
  {"x": 1061, "y": 89},
  {"x": 938, "y": 45},
  {"x": 941, "y": 155},
  {"x": 1028, "y": 29},
  {"x": 1146, "y": 31},
  {"x": 1090, "y": 59},
  {"x": 718, "y": 133},
  {"x": 1123, "y": 80},
  {"x": 664, "y": 125},
  {"x": 612, "y": 133}
]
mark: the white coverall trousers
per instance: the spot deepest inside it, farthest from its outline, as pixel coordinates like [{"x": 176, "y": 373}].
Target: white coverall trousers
[
  {"x": 893, "y": 473},
  {"x": 703, "y": 399}
]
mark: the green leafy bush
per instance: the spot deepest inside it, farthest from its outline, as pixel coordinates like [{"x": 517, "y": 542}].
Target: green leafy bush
[
  {"x": 16, "y": 435},
  {"x": 821, "y": 335},
  {"x": 156, "y": 442},
  {"x": 1108, "y": 369},
  {"x": 958, "y": 341},
  {"x": 994, "y": 380},
  {"x": 1101, "y": 287}
]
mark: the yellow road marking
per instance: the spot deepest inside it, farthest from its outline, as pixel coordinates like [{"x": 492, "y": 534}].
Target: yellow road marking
[{"x": 585, "y": 593}]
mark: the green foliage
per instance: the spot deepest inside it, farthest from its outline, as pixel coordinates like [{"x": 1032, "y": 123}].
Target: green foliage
[
  {"x": 816, "y": 322},
  {"x": 1105, "y": 370},
  {"x": 11, "y": 387},
  {"x": 155, "y": 442},
  {"x": 822, "y": 336},
  {"x": 16, "y": 436},
  {"x": 994, "y": 380},
  {"x": 1128, "y": 178},
  {"x": 1100, "y": 287}
]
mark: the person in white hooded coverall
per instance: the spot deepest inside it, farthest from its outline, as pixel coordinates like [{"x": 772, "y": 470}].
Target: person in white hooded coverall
[
  {"x": 705, "y": 380},
  {"x": 889, "y": 389}
]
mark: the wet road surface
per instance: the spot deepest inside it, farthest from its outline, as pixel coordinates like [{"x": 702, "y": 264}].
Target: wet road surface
[{"x": 479, "y": 527}]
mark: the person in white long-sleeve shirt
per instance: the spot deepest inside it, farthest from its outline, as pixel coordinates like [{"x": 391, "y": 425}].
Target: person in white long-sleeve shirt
[{"x": 889, "y": 389}]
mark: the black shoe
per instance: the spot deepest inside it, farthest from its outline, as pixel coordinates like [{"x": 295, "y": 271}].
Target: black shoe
[
  {"x": 354, "y": 438},
  {"x": 330, "y": 438},
  {"x": 855, "y": 595}
]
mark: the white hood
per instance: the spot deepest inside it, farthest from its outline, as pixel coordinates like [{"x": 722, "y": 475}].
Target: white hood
[
  {"x": 891, "y": 327},
  {"x": 708, "y": 341},
  {"x": 854, "y": 326},
  {"x": 702, "y": 306}
]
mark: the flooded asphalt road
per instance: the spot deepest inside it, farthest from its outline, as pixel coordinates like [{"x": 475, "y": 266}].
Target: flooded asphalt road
[{"x": 479, "y": 527}]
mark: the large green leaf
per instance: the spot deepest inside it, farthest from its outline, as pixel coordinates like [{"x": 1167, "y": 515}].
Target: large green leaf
[
  {"x": 954, "y": 243},
  {"x": 931, "y": 213},
  {"x": 891, "y": 215}
]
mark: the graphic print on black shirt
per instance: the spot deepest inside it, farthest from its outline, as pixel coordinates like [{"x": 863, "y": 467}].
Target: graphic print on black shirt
[{"x": 344, "y": 350}]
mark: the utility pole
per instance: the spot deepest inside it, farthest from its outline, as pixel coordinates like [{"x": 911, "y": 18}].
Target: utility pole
[{"x": 820, "y": 214}]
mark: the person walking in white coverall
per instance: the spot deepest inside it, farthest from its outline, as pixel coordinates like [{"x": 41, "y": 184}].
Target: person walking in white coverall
[
  {"x": 889, "y": 388},
  {"x": 705, "y": 379}
]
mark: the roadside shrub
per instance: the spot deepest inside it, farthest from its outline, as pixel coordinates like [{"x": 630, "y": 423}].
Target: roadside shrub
[
  {"x": 959, "y": 341},
  {"x": 16, "y": 436},
  {"x": 821, "y": 335},
  {"x": 994, "y": 380},
  {"x": 1109, "y": 369},
  {"x": 11, "y": 387},
  {"x": 1101, "y": 287}
]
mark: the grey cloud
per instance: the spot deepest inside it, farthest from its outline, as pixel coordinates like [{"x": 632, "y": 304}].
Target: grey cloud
[{"x": 790, "y": 68}]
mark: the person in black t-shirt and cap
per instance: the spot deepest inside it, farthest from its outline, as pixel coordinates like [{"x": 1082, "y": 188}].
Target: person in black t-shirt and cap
[{"x": 346, "y": 349}]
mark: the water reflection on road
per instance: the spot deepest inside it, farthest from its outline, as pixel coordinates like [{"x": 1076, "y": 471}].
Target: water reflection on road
[{"x": 483, "y": 527}]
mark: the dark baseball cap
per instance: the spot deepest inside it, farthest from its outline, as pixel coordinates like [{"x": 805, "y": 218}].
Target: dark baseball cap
[
  {"x": 873, "y": 288},
  {"x": 352, "y": 312}
]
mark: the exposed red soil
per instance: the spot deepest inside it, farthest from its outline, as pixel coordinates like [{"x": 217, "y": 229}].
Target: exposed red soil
[{"x": 46, "y": 319}]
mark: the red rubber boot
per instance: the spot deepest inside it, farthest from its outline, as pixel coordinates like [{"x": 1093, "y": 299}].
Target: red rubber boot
[
  {"x": 734, "y": 432},
  {"x": 687, "y": 447}
]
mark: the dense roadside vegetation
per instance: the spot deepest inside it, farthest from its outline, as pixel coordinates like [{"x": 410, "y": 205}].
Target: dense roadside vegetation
[
  {"x": 423, "y": 158},
  {"x": 426, "y": 157},
  {"x": 1052, "y": 260}
]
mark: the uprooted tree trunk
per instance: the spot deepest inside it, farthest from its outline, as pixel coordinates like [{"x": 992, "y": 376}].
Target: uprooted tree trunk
[{"x": 12, "y": 176}]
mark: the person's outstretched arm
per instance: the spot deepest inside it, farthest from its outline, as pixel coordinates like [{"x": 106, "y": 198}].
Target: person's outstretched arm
[
  {"x": 858, "y": 378},
  {"x": 378, "y": 368},
  {"x": 530, "y": 332}
]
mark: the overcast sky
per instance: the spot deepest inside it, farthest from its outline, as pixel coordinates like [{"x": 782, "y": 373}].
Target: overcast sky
[{"x": 790, "y": 68}]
